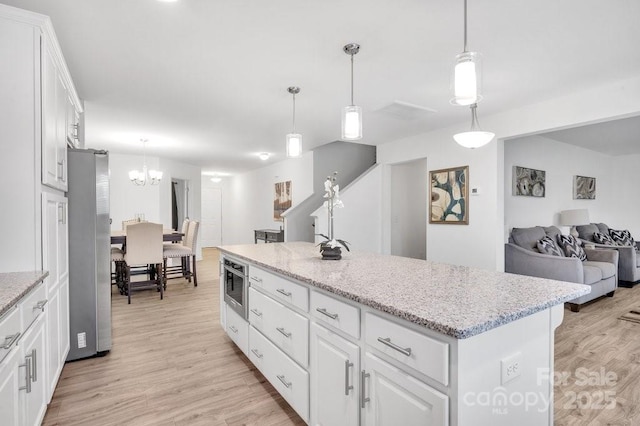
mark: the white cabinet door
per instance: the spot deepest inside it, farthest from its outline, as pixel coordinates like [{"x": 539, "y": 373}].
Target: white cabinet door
[
  {"x": 335, "y": 363},
  {"x": 50, "y": 168},
  {"x": 51, "y": 214},
  {"x": 61, "y": 132},
  {"x": 54, "y": 362},
  {"x": 33, "y": 354},
  {"x": 63, "y": 239},
  {"x": 393, "y": 397},
  {"x": 9, "y": 388},
  {"x": 65, "y": 338}
]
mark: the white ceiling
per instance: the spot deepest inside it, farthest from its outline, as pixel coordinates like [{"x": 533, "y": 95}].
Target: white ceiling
[{"x": 205, "y": 81}]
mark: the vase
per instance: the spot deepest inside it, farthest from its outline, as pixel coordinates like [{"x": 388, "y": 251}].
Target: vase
[{"x": 331, "y": 253}]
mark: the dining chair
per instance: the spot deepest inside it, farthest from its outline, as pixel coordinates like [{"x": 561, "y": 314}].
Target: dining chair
[
  {"x": 187, "y": 254},
  {"x": 144, "y": 249},
  {"x": 117, "y": 260}
]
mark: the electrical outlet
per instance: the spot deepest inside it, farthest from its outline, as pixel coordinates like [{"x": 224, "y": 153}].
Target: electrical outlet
[
  {"x": 511, "y": 367},
  {"x": 82, "y": 340}
]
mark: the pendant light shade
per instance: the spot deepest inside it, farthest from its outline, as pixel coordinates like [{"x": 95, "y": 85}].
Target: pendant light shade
[
  {"x": 467, "y": 74},
  {"x": 293, "y": 139},
  {"x": 352, "y": 114},
  {"x": 474, "y": 138}
]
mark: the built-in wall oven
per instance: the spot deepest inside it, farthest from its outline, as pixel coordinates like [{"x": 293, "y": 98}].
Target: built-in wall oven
[{"x": 236, "y": 286}]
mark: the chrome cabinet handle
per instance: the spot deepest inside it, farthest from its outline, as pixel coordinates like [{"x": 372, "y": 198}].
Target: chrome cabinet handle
[
  {"x": 256, "y": 312},
  {"x": 283, "y": 332},
  {"x": 60, "y": 213},
  {"x": 347, "y": 386},
  {"x": 284, "y": 382},
  {"x": 329, "y": 314},
  {"x": 256, "y": 279},
  {"x": 232, "y": 328},
  {"x": 64, "y": 214},
  {"x": 387, "y": 341},
  {"x": 34, "y": 366},
  {"x": 9, "y": 341},
  {"x": 363, "y": 377},
  {"x": 256, "y": 353},
  {"x": 27, "y": 376},
  {"x": 40, "y": 305},
  {"x": 283, "y": 292}
]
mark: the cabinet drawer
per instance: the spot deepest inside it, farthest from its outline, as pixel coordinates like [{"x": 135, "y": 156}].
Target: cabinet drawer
[
  {"x": 238, "y": 330},
  {"x": 33, "y": 305},
  {"x": 291, "y": 381},
  {"x": 10, "y": 331},
  {"x": 420, "y": 352},
  {"x": 282, "y": 289},
  {"x": 260, "y": 235},
  {"x": 285, "y": 328},
  {"x": 336, "y": 313}
]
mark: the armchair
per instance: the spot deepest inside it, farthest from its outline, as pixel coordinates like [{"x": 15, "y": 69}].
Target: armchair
[
  {"x": 599, "y": 271},
  {"x": 629, "y": 263}
]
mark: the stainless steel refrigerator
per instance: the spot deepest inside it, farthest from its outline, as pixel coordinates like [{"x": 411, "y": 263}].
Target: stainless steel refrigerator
[{"x": 89, "y": 253}]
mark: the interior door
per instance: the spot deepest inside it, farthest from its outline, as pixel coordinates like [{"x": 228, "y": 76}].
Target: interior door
[{"x": 211, "y": 223}]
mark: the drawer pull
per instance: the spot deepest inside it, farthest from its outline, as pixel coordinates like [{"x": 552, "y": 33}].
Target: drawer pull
[
  {"x": 9, "y": 341},
  {"x": 40, "y": 305},
  {"x": 34, "y": 367},
  {"x": 323, "y": 311},
  {"x": 387, "y": 341},
  {"x": 363, "y": 377},
  {"x": 256, "y": 312},
  {"x": 256, "y": 353},
  {"x": 284, "y": 382},
  {"x": 256, "y": 279},
  {"x": 283, "y": 292},
  {"x": 347, "y": 386},
  {"x": 232, "y": 328},
  {"x": 284, "y": 332}
]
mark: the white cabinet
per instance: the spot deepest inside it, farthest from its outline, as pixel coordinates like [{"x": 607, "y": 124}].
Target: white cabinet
[
  {"x": 335, "y": 364},
  {"x": 55, "y": 260},
  {"x": 238, "y": 330},
  {"x": 390, "y": 397},
  {"x": 23, "y": 379}
]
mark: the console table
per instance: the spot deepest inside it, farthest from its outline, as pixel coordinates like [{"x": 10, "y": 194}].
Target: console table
[{"x": 269, "y": 235}]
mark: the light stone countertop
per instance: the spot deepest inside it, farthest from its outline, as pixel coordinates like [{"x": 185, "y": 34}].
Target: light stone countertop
[
  {"x": 453, "y": 300},
  {"x": 15, "y": 285}
]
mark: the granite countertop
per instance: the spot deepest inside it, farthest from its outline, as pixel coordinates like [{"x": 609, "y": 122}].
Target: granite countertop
[
  {"x": 453, "y": 300},
  {"x": 14, "y": 285}
]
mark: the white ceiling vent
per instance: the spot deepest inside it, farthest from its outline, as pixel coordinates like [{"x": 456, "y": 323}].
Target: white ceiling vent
[{"x": 406, "y": 111}]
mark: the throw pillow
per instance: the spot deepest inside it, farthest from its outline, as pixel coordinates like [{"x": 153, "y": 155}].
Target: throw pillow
[
  {"x": 621, "y": 238},
  {"x": 603, "y": 239},
  {"x": 572, "y": 247},
  {"x": 547, "y": 246}
]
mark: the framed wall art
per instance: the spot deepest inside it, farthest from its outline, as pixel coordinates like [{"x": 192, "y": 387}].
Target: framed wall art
[
  {"x": 529, "y": 182},
  {"x": 281, "y": 200},
  {"x": 449, "y": 196},
  {"x": 584, "y": 188}
]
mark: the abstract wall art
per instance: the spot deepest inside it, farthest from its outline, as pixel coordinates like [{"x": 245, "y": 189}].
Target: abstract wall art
[
  {"x": 529, "y": 182},
  {"x": 584, "y": 188},
  {"x": 281, "y": 200},
  {"x": 449, "y": 196}
]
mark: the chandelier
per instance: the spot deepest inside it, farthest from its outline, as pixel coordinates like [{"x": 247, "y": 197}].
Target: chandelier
[{"x": 142, "y": 177}]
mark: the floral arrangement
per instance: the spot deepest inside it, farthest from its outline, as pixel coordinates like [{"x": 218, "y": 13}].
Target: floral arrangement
[{"x": 331, "y": 246}]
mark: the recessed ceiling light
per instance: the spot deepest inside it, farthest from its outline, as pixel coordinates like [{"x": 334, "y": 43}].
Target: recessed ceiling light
[
  {"x": 264, "y": 156},
  {"x": 216, "y": 179}
]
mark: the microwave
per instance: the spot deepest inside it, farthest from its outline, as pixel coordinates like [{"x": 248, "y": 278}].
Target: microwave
[{"x": 236, "y": 286}]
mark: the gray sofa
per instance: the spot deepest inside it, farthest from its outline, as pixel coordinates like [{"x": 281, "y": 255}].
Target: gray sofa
[
  {"x": 599, "y": 270},
  {"x": 629, "y": 263}
]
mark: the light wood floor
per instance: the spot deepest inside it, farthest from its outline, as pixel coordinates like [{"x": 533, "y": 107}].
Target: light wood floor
[{"x": 171, "y": 364}]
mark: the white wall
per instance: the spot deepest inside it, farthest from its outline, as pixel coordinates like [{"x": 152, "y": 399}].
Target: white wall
[
  {"x": 471, "y": 245},
  {"x": 561, "y": 162},
  {"x": 247, "y": 199},
  {"x": 626, "y": 194},
  {"x": 211, "y": 223},
  {"x": 154, "y": 201},
  {"x": 358, "y": 222},
  {"x": 409, "y": 209}
]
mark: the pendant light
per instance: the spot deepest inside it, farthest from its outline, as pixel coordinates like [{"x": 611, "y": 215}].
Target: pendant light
[
  {"x": 467, "y": 74},
  {"x": 352, "y": 114},
  {"x": 294, "y": 140},
  {"x": 142, "y": 177},
  {"x": 474, "y": 138}
]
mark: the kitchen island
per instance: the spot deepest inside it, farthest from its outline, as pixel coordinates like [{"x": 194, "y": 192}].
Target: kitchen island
[{"x": 384, "y": 340}]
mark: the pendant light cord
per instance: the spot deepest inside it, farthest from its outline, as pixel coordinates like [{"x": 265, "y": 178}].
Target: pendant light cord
[
  {"x": 294, "y": 113},
  {"x": 352, "y": 79},
  {"x": 465, "y": 25}
]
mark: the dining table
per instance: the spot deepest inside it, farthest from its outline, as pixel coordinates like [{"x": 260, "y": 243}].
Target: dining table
[{"x": 120, "y": 237}]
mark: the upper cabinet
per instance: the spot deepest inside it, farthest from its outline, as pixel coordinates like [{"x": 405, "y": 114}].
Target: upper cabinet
[{"x": 60, "y": 119}]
